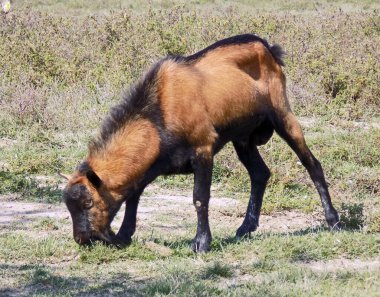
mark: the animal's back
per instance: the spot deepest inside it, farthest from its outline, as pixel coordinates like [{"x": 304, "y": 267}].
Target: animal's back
[{"x": 220, "y": 87}]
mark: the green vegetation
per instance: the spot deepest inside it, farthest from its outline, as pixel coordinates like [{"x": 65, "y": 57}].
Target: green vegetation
[
  {"x": 282, "y": 262},
  {"x": 63, "y": 64},
  {"x": 58, "y": 82},
  {"x": 217, "y": 269},
  {"x": 352, "y": 216}
]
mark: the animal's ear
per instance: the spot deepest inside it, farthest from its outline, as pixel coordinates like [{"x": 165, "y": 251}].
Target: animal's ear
[
  {"x": 65, "y": 176},
  {"x": 94, "y": 178}
]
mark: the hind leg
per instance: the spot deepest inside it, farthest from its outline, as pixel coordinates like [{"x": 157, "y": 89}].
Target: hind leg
[
  {"x": 287, "y": 126},
  {"x": 259, "y": 175}
]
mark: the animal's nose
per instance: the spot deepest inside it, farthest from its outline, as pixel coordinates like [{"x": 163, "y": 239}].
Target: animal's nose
[{"x": 82, "y": 238}]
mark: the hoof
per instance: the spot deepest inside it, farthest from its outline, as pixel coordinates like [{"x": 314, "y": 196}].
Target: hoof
[
  {"x": 333, "y": 222},
  {"x": 245, "y": 230},
  {"x": 336, "y": 226},
  {"x": 122, "y": 241},
  {"x": 201, "y": 244}
]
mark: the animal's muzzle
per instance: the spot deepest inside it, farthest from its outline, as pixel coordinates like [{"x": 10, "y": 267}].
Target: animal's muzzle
[{"x": 82, "y": 238}]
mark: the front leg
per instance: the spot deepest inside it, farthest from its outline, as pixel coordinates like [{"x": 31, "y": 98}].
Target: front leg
[
  {"x": 128, "y": 225},
  {"x": 202, "y": 166}
]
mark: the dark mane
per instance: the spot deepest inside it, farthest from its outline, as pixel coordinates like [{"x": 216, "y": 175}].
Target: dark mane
[
  {"x": 138, "y": 101},
  {"x": 275, "y": 49}
]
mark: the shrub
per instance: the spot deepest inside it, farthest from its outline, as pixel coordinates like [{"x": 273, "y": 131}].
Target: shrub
[{"x": 352, "y": 216}]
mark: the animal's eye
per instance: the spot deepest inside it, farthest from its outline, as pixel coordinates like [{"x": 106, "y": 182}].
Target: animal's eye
[{"x": 88, "y": 203}]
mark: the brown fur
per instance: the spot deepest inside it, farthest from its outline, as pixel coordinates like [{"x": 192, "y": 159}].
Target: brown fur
[
  {"x": 226, "y": 84},
  {"x": 128, "y": 154}
]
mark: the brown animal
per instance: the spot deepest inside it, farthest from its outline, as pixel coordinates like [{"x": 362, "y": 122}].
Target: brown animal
[{"x": 174, "y": 120}]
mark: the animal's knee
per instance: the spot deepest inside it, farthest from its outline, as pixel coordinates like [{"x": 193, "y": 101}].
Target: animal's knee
[
  {"x": 198, "y": 204},
  {"x": 266, "y": 173},
  {"x": 308, "y": 160},
  {"x": 261, "y": 175}
]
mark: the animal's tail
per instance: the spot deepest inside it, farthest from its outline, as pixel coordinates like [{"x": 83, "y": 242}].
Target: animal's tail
[{"x": 278, "y": 53}]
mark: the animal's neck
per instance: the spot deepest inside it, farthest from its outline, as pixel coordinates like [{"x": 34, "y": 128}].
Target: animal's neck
[{"x": 127, "y": 155}]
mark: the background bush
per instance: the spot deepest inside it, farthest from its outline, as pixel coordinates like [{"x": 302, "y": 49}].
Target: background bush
[{"x": 62, "y": 69}]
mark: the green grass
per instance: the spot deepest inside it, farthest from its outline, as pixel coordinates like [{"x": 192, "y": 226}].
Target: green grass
[
  {"x": 268, "y": 262},
  {"x": 287, "y": 281},
  {"x": 217, "y": 269}
]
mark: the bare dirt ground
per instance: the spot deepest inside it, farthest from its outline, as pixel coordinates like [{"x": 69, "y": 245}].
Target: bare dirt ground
[
  {"x": 164, "y": 213},
  {"x": 174, "y": 215}
]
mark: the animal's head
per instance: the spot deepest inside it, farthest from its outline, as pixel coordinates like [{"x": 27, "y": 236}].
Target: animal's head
[{"x": 92, "y": 207}]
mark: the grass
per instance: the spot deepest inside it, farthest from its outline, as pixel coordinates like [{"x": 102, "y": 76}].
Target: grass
[
  {"x": 55, "y": 265},
  {"x": 176, "y": 282},
  {"x": 217, "y": 269},
  {"x": 67, "y": 62}
]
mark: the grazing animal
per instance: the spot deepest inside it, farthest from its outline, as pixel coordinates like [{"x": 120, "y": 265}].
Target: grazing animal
[{"x": 173, "y": 121}]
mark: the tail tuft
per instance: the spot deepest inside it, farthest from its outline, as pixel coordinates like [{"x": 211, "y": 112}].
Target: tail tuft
[{"x": 278, "y": 53}]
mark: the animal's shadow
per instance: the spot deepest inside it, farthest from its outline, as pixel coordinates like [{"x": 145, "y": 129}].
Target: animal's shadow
[{"x": 220, "y": 243}]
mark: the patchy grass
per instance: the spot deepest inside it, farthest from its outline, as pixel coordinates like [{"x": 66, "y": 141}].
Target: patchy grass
[
  {"x": 45, "y": 265},
  {"x": 40, "y": 258},
  {"x": 217, "y": 269}
]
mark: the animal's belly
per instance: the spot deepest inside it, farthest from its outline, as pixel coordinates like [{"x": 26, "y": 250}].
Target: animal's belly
[
  {"x": 262, "y": 133},
  {"x": 257, "y": 129}
]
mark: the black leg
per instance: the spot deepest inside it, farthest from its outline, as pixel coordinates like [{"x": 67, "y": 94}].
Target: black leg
[
  {"x": 128, "y": 225},
  {"x": 259, "y": 174},
  {"x": 202, "y": 166},
  {"x": 289, "y": 129}
]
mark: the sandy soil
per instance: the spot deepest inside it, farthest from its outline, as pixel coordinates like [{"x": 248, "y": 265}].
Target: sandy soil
[{"x": 166, "y": 213}]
